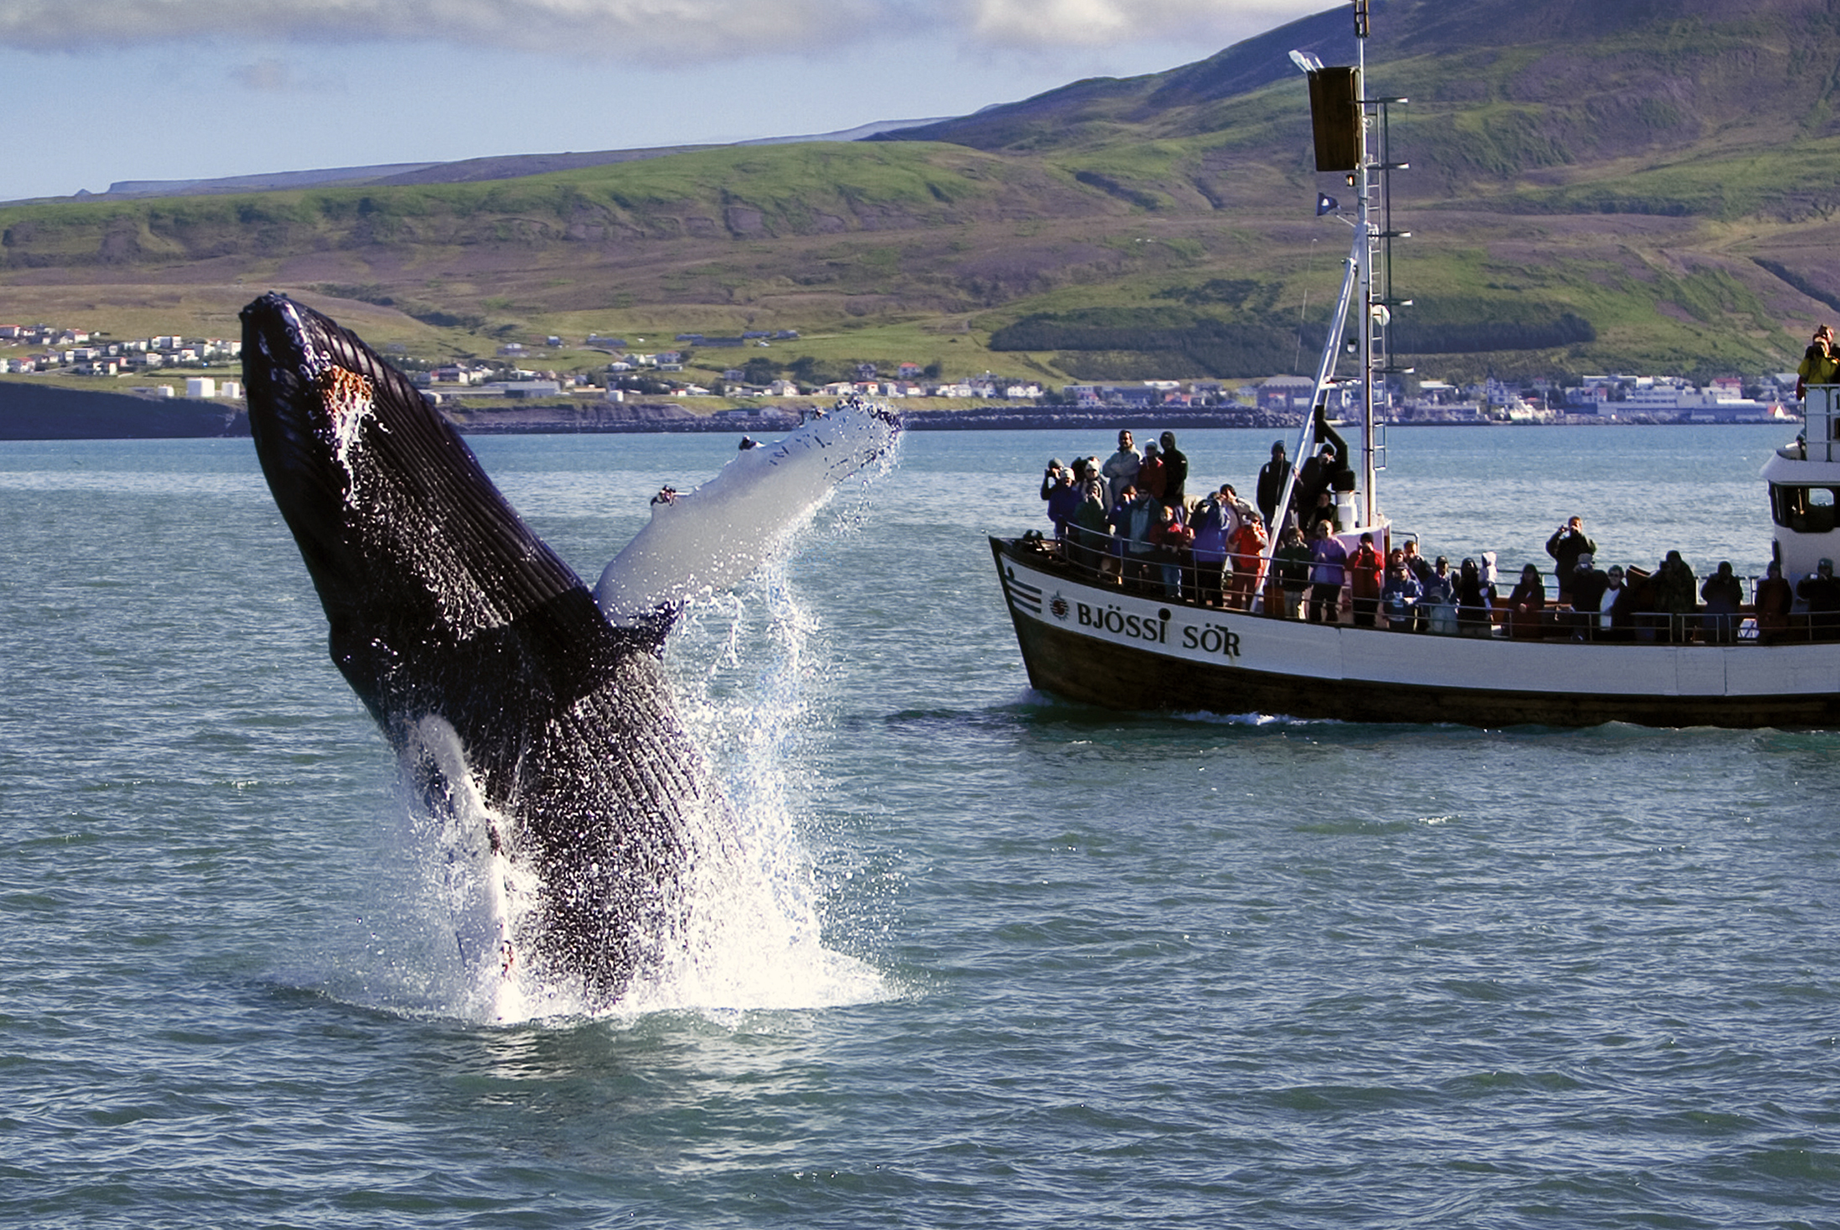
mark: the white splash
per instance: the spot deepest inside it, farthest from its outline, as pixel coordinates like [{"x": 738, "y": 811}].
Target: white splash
[
  {"x": 756, "y": 940},
  {"x": 478, "y": 891}
]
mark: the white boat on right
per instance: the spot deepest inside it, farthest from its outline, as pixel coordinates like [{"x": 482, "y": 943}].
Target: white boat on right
[{"x": 1088, "y": 634}]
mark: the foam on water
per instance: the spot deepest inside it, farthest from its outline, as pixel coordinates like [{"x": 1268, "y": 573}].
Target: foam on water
[{"x": 741, "y": 664}]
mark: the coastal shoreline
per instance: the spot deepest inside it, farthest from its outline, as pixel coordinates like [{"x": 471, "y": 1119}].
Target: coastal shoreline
[{"x": 30, "y": 412}]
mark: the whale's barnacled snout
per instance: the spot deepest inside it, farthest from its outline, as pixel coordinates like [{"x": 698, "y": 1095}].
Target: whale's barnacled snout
[{"x": 288, "y": 372}]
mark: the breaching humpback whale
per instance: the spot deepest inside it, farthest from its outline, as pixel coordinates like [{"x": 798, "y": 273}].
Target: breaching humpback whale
[{"x": 506, "y": 691}]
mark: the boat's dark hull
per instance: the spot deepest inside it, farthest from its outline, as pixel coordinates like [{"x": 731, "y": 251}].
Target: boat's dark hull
[{"x": 1191, "y": 660}]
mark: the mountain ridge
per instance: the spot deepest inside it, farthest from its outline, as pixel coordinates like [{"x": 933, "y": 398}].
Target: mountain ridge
[{"x": 463, "y": 170}]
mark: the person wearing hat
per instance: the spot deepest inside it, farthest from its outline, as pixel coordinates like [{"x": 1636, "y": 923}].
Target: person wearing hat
[
  {"x": 1821, "y": 591},
  {"x": 1313, "y": 483},
  {"x": 1327, "y": 470},
  {"x": 1568, "y": 542},
  {"x": 1272, "y": 477},
  {"x": 1215, "y": 521},
  {"x": 1062, "y": 494}
]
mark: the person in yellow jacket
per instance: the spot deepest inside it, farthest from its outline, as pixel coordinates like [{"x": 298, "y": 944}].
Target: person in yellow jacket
[{"x": 1820, "y": 364}]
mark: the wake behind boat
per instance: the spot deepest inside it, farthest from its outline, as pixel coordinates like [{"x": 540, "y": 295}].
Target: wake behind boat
[{"x": 1105, "y": 633}]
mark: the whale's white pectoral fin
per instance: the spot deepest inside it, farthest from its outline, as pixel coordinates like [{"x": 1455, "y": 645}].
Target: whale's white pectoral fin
[{"x": 707, "y": 540}]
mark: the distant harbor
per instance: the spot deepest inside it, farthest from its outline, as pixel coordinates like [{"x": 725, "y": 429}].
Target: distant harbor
[{"x": 30, "y": 411}]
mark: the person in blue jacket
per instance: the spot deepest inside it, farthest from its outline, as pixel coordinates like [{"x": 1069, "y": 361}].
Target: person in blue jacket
[{"x": 1400, "y": 592}]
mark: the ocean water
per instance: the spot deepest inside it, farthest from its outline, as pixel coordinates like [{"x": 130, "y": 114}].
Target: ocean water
[{"x": 1000, "y": 961}]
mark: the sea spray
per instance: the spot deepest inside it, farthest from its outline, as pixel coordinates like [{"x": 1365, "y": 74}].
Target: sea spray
[
  {"x": 755, "y": 936},
  {"x": 742, "y": 666}
]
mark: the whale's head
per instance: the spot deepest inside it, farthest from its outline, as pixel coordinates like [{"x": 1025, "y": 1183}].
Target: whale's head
[{"x": 407, "y": 541}]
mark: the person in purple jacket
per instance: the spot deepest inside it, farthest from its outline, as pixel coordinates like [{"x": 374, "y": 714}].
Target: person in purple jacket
[{"x": 1328, "y": 563}]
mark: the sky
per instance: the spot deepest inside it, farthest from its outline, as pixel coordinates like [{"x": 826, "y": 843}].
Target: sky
[{"x": 96, "y": 93}]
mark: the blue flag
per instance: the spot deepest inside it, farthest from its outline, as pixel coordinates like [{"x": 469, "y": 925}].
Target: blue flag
[{"x": 1325, "y": 204}]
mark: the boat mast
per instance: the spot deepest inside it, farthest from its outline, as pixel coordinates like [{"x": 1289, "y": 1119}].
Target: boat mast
[
  {"x": 1376, "y": 268},
  {"x": 1341, "y": 116},
  {"x": 1369, "y": 319}
]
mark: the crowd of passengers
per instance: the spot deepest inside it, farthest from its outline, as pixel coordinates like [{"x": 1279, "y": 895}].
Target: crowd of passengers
[{"x": 1130, "y": 521}]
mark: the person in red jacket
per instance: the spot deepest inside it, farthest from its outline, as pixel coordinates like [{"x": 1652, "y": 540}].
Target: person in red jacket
[
  {"x": 1526, "y": 603},
  {"x": 1248, "y": 546},
  {"x": 1365, "y": 570}
]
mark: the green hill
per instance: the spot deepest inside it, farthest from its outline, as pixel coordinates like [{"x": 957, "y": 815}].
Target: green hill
[{"x": 1629, "y": 186}]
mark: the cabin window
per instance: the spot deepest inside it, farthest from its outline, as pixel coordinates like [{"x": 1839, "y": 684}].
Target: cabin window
[{"x": 1806, "y": 510}]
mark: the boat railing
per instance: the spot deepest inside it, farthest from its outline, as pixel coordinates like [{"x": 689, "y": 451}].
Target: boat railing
[{"x": 1115, "y": 561}]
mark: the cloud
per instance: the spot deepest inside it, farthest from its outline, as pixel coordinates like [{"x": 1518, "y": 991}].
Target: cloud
[
  {"x": 692, "y": 28},
  {"x": 633, "y": 29},
  {"x": 1097, "y": 23}
]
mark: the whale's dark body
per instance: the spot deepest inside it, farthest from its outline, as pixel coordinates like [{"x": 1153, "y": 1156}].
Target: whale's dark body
[{"x": 446, "y": 608}]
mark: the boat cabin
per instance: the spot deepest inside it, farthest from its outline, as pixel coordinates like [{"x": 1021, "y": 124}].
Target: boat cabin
[{"x": 1804, "y": 481}]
